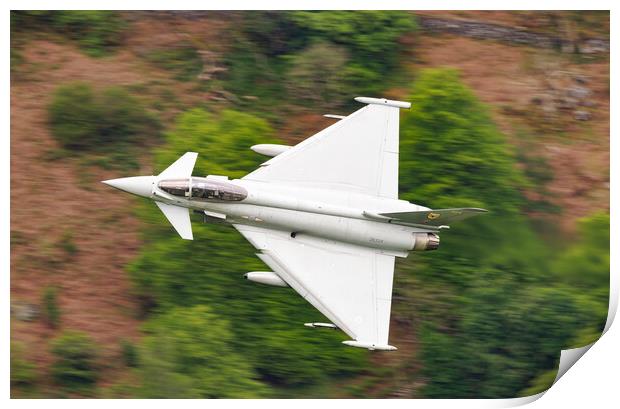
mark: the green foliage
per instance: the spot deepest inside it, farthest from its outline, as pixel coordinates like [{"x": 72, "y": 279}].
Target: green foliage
[
  {"x": 499, "y": 342},
  {"x": 51, "y": 311},
  {"x": 540, "y": 384},
  {"x": 84, "y": 120},
  {"x": 129, "y": 353},
  {"x": 369, "y": 34},
  {"x": 250, "y": 73},
  {"x": 74, "y": 115},
  {"x": 371, "y": 38},
  {"x": 188, "y": 353},
  {"x": 322, "y": 87},
  {"x": 96, "y": 32},
  {"x": 17, "y": 59},
  {"x": 67, "y": 244},
  {"x": 182, "y": 59},
  {"x": 272, "y": 33},
  {"x": 223, "y": 142},
  {"x": 492, "y": 307},
  {"x": 452, "y": 150},
  {"x": 23, "y": 375},
  {"x": 585, "y": 265},
  {"x": 74, "y": 367},
  {"x": 338, "y": 54},
  {"x": 452, "y": 155}
]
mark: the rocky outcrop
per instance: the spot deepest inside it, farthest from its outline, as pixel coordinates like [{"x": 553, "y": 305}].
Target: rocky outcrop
[{"x": 477, "y": 29}]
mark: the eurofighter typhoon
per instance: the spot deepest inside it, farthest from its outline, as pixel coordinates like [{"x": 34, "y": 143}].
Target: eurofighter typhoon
[{"x": 324, "y": 215}]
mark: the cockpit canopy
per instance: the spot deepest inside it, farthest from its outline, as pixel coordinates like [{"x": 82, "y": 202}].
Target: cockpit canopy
[{"x": 196, "y": 188}]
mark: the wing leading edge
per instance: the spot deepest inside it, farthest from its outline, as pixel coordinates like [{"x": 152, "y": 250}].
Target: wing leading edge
[{"x": 350, "y": 285}]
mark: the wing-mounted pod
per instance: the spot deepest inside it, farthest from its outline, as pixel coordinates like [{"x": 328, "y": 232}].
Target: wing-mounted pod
[
  {"x": 270, "y": 149},
  {"x": 266, "y": 277},
  {"x": 383, "y": 101},
  {"x": 334, "y": 116},
  {"x": 320, "y": 325}
]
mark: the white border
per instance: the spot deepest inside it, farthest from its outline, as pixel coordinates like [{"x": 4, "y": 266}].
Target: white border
[{"x": 594, "y": 378}]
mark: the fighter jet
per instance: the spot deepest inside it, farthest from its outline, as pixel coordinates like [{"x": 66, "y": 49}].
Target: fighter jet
[{"x": 324, "y": 215}]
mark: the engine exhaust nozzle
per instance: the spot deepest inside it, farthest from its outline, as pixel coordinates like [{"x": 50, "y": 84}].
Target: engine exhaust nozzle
[{"x": 425, "y": 241}]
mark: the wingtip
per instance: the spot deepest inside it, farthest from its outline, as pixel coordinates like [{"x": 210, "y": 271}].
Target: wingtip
[{"x": 383, "y": 101}]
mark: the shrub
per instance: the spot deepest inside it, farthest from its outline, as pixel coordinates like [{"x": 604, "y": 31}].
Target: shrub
[
  {"x": 22, "y": 372},
  {"x": 322, "y": 87},
  {"x": 51, "y": 311},
  {"x": 83, "y": 120},
  {"x": 369, "y": 34},
  {"x": 95, "y": 31},
  {"x": 188, "y": 354},
  {"x": 74, "y": 115},
  {"x": 182, "y": 59},
  {"x": 17, "y": 59},
  {"x": 67, "y": 243},
  {"x": 129, "y": 353},
  {"x": 360, "y": 46},
  {"x": 74, "y": 367},
  {"x": 223, "y": 141}
]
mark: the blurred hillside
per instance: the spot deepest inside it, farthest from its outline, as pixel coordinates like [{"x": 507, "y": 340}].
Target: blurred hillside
[{"x": 510, "y": 112}]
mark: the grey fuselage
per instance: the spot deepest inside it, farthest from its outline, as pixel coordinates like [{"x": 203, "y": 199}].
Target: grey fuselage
[{"x": 342, "y": 216}]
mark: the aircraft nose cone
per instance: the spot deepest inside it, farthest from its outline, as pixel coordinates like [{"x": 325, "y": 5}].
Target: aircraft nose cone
[{"x": 137, "y": 185}]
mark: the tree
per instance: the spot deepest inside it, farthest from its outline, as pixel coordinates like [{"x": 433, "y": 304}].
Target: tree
[
  {"x": 73, "y": 115},
  {"x": 451, "y": 147},
  {"x": 75, "y": 364},
  {"x": 499, "y": 322},
  {"x": 23, "y": 374},
  {"x": 81, "y": 119},
  {"x": 223, "y": 142},
  {"x": 585, "y": 264},
  {"x": 369, "y": 34},
  {"x": 96, "y": 32},
  {"x": 503, "y": 336},
  {"x": 452, "y": 155},
  {"x": 187, "y": 353},
  {"x": 356, "y": 53},
  {"x": 322, "y": 87}
]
